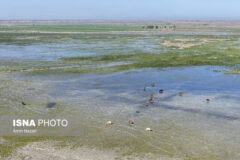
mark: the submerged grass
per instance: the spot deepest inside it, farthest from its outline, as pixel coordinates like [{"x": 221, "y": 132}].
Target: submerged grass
[
  {"x": 125, "y": 145},
  {"x": 13, "y": 142},
  {"x": 217, "y": 53},
  {"x": 208, "y": 54},
  {"x": 218, "y": 50},
  {"x": 233, "y": 72}
]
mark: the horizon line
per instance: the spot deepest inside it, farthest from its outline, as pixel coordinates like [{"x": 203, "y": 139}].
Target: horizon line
[{"x": 119, "y": 20}]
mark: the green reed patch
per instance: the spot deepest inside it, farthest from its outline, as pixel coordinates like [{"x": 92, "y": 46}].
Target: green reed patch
[{"x": 208, "y": 54}]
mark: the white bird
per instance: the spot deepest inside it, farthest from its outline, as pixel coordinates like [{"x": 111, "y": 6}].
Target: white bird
[
  {"x": 148, "y": 129},
  {"x": 109, "y": 123}
]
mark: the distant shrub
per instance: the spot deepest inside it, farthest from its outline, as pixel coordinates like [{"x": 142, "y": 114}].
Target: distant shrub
[{"x": 150, "y": 27}]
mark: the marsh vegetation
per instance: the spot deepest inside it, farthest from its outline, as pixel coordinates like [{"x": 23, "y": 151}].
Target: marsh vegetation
[{"x": 93, "y": 77}]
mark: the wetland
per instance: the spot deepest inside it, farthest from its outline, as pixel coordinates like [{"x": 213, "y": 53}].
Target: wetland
[{"x": 90, "y": 74}]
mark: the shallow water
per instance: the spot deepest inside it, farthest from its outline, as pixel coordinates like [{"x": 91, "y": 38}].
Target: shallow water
[
  {"x": 182, "y": 127},
  {"x": 85, "y": 46}
]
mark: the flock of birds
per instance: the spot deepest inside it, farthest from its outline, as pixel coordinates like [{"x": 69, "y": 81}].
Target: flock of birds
[
  {"x": 151, "y": 100},
  {"x": 130, "y": 122}
]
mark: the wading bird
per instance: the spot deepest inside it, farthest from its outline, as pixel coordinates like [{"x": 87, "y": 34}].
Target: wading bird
[
  {"x": 130, "y": 122},
  {"x": 148, "y": 129},
  {"x": 108, "y": 123},
  {"x": 180, "y": 94},
  {"x": 147, "y": 103},
  {"x": 161, "y": 91},
  {"x": 151, "y": 95},
  {"x": 151, "y": 100}
]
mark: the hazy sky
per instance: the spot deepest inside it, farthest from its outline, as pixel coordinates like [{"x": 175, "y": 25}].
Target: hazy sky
[{"x": 121, "y": 9}]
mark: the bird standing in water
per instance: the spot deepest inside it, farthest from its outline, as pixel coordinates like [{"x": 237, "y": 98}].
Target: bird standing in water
[
  {"x": 108, "y": 123},
  {"x": 180, "y": 94},
  {"x": 151, "y": 95},
  {"x": 161, "y": 91},
  {"x": 148, "y": 129},
  {"x": 130, "y": 122},
  {"x": 151, "y": 100},
  {"x": 147, "y": 103}
]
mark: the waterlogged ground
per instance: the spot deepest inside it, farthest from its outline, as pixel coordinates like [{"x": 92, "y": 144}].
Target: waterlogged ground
[{"x": 100, "y": 77}]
